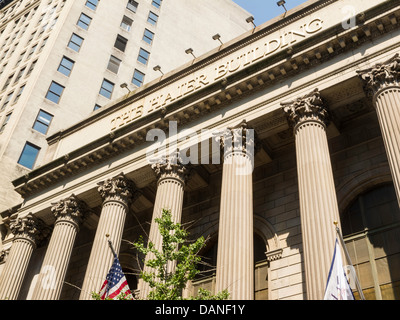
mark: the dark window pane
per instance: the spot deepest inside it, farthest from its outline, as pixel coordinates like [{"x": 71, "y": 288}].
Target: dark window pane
[
  {"x": 55, "y": 92},
  {"x": 75, "y": 43},
  {"x": 120, "y": 43},
  {"x": 138, "y": 78},
  {"x": 152, "y": 18},
  {"x": 42, "y": 122},
  {"x": 132, "y": 5},
  {"x": 113, "y": 64},
  {"x": 29, "y": 155},
  {"x": 148, "y": 36},
  {"x": 143, "y": 56},
  {"x": 84, "y": 21},
  {"x": 106, "y": 89},
  {"x": 92, "y": 4},
  {"x": 65, "y": 66}
]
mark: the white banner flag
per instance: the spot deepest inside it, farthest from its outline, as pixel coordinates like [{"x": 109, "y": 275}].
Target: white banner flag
[{"x": 337, "y": 287}]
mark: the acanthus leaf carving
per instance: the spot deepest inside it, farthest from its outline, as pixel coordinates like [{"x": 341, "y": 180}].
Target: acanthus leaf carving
[
  {"x": 309, "y": 107},
  {"x": 381, "y": 75},
  {"x": 71, "y": 209},
  {"x": 118, "y": 188},
  {"x": 239, "y": 139},
  {"x": 171, "y": 166},
  {"x": 30, "y": 228}
]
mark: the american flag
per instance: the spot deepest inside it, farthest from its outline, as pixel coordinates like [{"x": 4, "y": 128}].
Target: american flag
[{"x": 115, "y": 284}]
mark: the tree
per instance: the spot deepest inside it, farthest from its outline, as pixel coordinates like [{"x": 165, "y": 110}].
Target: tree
[{"x": 165, "y": 280}]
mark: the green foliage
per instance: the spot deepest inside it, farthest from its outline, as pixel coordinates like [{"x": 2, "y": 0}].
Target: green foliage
[
  {"x": 165, "y": 280},
  {"x": 96, "y": 296}
]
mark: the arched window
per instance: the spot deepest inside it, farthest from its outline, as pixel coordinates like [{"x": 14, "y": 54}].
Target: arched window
[{"x": 371, "y": 230}]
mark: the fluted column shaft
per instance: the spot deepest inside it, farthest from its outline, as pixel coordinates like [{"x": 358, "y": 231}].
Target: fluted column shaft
[
  {"x": 69, "y": 213},
  {"x": 172, "y": 176},
  {"x": 27, "y": 232},
  {"x": 317, "y": 194},
  {"x": 235, "y": 261},
  {"x": 117, "y": 194},
  {"x": 383, "y": 84}
]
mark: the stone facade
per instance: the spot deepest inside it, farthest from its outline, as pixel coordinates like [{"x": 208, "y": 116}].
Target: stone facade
[{"x": 284, "y": 142}]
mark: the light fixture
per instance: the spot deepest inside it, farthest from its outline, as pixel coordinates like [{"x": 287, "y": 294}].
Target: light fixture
[
  {"x": 251, "y": 20},
  {"x": 217, "y": 37},
  {"x": 281, "y": 3},
  {"x": 190, "y": 51},
  {"x": 158, "y": 68},
  {"x": 125, "y": 85}
]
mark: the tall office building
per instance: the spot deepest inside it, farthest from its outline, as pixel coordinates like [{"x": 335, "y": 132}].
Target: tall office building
[{"x": 60, "y": 60}]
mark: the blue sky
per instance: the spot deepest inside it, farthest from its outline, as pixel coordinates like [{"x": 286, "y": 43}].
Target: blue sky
[{"x": 264, "y": 10}]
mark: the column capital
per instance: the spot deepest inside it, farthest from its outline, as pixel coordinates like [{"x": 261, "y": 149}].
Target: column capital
[
  {"x": 309, "y": 107},
  {"x": 240, "y": 139},
  {"x": 381, "y": 76},
  {"x": 70, "y": 209},
  {"x": 29, "y": 228},
  {"x": 118, "y": 188},
  {"x": 171, "y": 167}
]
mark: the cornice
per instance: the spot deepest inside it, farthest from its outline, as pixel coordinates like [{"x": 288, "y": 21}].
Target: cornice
[{"x": 257, "y": 77}]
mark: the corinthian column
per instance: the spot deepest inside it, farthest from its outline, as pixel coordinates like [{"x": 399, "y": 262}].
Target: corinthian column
[
  {"x": 172, "y": 176},
  {"x": 117, "y": 194},
  {"x": 28, "y": 232},
  {"x": 382, "y": 83},
  {"x": 318, "y": 202},
  {"x": 69, "y": 214},
  {"x": 235, "y": 262}
]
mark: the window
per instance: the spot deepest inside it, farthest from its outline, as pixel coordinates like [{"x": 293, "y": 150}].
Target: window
[
  {"x": 65, "y": 66},
  {"x": 84, "y": 21},
  {"x": 29, "y": 155},
  {"x": 20, "y": 58},
  {"x": 96, "y": 106},
  {"x": 148, "y": 36},
  {"x": 21, "y": 89},
  {"x": 138, "y": 78},
  {"x": 75, "y": 43},
  {"x": 6, "y": 119},
  {"x": 371, "y": 231},
  {"x": 132, "y": 5},
  {"x": 92, "y": 4},
  {"x": 113, "y": 64},
  {"x": 42, "y": 122},
  {"x": 30, "y": 38},
  {"x": 19, "y": 75},
  {"x": 8, "y": 81},
  {"x": 54, "y": 93},
  {"x": 43, "y": 44},
  {"x": 120, "y": 43},
  {"x": 3, "y": 68},
  {"x": 143, "y": 56},
  {"x": 106, "y": 88},
  {"x": 126, "y": 23},
  {"x": 33, "y": 64},
  {"x": 6, "y": 102},
  {"x": 152, "y": 18},
  {"x": 156, "y": 3},
  {"x": 31, "y": 52}
]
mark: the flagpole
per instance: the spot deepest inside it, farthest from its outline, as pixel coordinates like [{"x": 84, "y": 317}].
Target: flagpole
[
  {"x": 111, "y": 246},
  {"x": 358, "y": 286}
]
